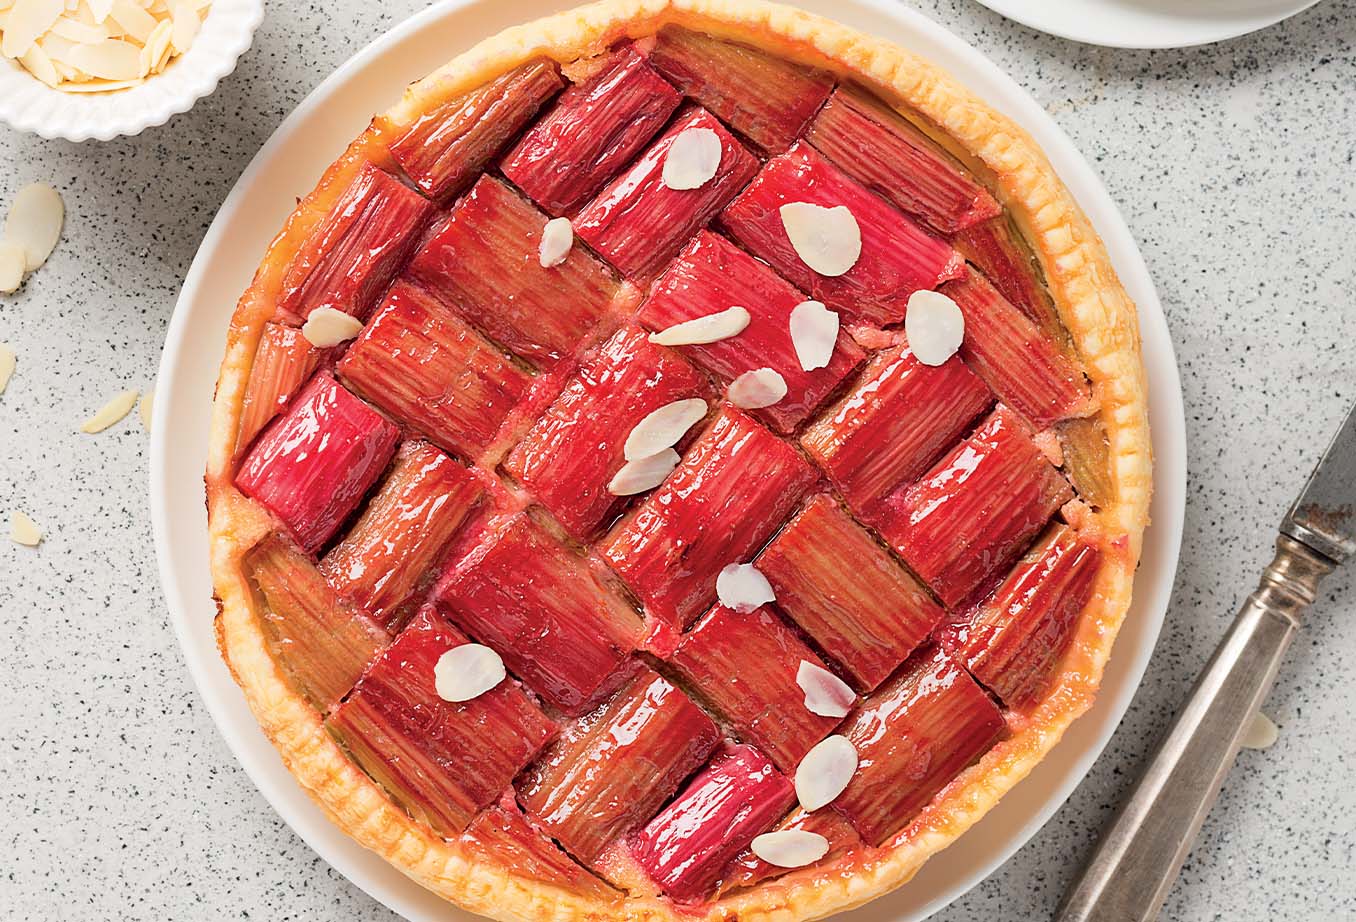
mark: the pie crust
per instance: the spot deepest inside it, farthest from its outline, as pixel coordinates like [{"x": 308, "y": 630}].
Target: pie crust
[{"x": 1094, "y": 308}]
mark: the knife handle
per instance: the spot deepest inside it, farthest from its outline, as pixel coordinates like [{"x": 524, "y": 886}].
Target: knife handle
[{"x": 1134, "y": 865}]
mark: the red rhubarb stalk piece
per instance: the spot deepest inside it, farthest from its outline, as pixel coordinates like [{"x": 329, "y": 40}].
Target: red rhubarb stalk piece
[
  {"x": 847, "y": 592},
  {"x": 744, "y": 667},
  {"x": 313, "y": 464},
  {"x": 971, "y": 516},
  {"x": 594, "y": 129},
  {"x": 446, "y": 148},
  {"x": 554, "y": 620},
  {"x": 1087, "y": 462},
  {"x": 766, "y": 99},
  {"x": 1015, "y": 638},
  {"x": 895, "y": 422},
  {"x": 1017, "y": 360},
  {"x": 888, "y": 154},
  {"x": 484, "y": 261},
  {"x": 575, "y": 448},
  {"x": 442, "y": 761},
  {"x": 736, "y": 486},
  {"x": 322, "y": 641},
  {"x": 391, "y": 550},
  {"x": 638, "y": 223},
  {"x": 503, "y": 835},
  {"x": 355, "y": 251},
  {"x": 748, "y": 869},
  {"x": 283, "y": 361},
  {"x": 996, "y": 248},
  {"x": 913, "y": 736},
  {"x": 712, "y": 275},
  {"x": 897, "y": 256},
  {"x": 429, "y": 369},
  {"x": 738, "y": 796},
  {"x": 611, "y": 771}
]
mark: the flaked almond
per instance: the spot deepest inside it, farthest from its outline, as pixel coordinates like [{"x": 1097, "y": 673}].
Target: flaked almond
[
  {"x": 814, "y": 333},
  {"x": 790, "y": 848},
  {"x": 663, "y": 427},
  {"x": 827, "y": 240},
  {"x": 556, "y": 239},
  {"x": 743, "y": 587},
  {"x": 643, "y": 473},
  {"x": 23, "y": 530},
  {"x": 26, "y": 22},
  {"x": 693, "y": 158},
  {"x": 329, "y": 326},
  {"x": 37, "y": 62},
  {"x": 825, "y": 693},
  {"x": 99, "y": 9},
  {"x": 12, "y": 261},
  {"x": 34, "y": 222},
  {"x": 187, "y": 22},
  {"x": 1262, "y": 733},
  {"x": 467, "y": 672},
  {"x": 8, "y": 362},
  {"x": 756, "y": 389},
  {"x": 134, "y": 21},
  {"x": 709, "y": 329},
  {"x": 110, "y": 412},
  {"x": 111, "y": 59},
  {"x": 825, "y": 772},
  {"x": 934, "y": 326},
  {"x": 147, "y": 408}
]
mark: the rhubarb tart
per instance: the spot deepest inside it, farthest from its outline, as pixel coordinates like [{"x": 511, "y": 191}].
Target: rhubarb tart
[{"x": 686, "y": 459}]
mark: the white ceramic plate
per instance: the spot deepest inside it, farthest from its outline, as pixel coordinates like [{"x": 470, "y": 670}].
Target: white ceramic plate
[
  {"x": 1148, "y": 23},
  {"x": 290, "y": 163}
]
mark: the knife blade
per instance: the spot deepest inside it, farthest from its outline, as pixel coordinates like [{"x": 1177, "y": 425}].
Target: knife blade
[{"x": 1324, "y": 515}]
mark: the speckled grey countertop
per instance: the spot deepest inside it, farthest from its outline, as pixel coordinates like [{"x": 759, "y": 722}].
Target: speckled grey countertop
[{"x": 1234, "y": 167}]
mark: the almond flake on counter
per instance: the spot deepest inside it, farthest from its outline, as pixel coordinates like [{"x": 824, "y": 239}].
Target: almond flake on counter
[
  {"x": 1262, "y": 733},
  {"x": 825, "y": 693},
  {"x": 329, "y": 326},
  {"x": 643, "y": 473},
  {"x": 34, "y": 222},
  {"x": 8, "y": 362},
  {"x": 825, "y": 772},
  {"x": 790, "y": 848},
  {"x": 702, "y": 330},
  {"x": 110, "y": 413},
  {"x": 23, "y": 530},
  {"x": 146, "y": 408},
  {"x": 935, "y": 327},
  {"x": 814, "y": 333},
  {"x": 743, "y": 587},
  {"x": 662, "y": 428},
  {"x": 466, "y": 672},
  {"x": 557, "y": 237},
  {"x": 827, "y": 240},
  {"x": 692, "y": 159},
  {"x": 12, "y": 259},
  {"x": 756, "y": 389}
]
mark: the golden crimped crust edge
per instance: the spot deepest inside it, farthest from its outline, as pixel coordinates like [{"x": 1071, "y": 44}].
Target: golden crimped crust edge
[{"x": 1092, "y": 303}]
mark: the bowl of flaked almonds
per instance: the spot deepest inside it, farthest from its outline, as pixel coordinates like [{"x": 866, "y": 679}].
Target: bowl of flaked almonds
[{"x": 81, "y": 69}]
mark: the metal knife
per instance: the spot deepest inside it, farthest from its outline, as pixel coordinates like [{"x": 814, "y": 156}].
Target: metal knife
[{"x": 1137, "y": 859}]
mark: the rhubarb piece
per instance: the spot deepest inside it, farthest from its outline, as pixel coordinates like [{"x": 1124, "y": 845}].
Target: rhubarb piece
[
  {"x": 612, "y": 771},
  {"x": 1087, "y": 458},
  {"x": 555, "y": 622},
  {"x": 897, "y": 257},
  {"x": 847, "y": 592},
  {"x": 423, "y": 365},
  {"x": 1013, "y": 640},
  {"x": 765, "y": 99},
  {"x": 442, "y": 762},
  {"x": 744, "y": 667},
  {"x": 594, "y": 129},
  {"x": 885, "y": 152},
  {"x": 503, "y": 835},
  {"x": 313, "y": 464},
  {"x": 355, "y": 251},
  {"x": 484, "y": 260},
  {"x": 391, "y": 550},
  {"x": 283, "y": 361},
  {"x": 996, "y": 248},
  {"x": 709, "y": 276},
  {"x": 913, "y": 736},
  {"x": 322, "y": 641},
  {"x": 686, "y": 847},
  {"x": 730, "y": 494},
  {"x": 1014, "y": 357},
  {"x": 638, "y": 222},
  {"x": 970, "y": 517},
  {"x": 450, "y": 145},
  {"x": 748, "y": 869},
  {"x": 893, "y": 424},
  {"x": 576, "y": 448}
]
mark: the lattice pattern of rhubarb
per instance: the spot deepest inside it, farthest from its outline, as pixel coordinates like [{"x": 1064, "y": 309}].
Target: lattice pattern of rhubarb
[{"x": 643, "y": 723}]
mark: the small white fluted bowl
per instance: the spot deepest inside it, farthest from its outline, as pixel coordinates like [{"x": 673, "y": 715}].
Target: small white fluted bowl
[{"x": 28, "y": 104}]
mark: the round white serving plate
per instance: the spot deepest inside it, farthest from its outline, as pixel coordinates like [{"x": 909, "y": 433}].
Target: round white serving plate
[
  {"x": 289, "y": 165},
  {"x": 1148, "y": 23}
]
